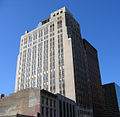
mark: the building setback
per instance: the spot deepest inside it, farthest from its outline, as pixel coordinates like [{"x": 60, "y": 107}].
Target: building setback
[
  {"x": 112, "y": 99},
  {"x": 94, "y": 79},
  {"x": 52, "y": 57}
]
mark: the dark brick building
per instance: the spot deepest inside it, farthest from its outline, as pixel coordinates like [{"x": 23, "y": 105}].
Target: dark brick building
[
  {"x": 112, "y": 99},
  {"x": 94, "y": 79}
]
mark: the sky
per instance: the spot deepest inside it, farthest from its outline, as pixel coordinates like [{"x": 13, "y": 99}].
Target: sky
[{"x": 99, "y": 22}]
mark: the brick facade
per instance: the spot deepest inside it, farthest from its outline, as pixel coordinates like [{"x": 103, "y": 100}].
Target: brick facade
[{"x": 23, "y": 102}]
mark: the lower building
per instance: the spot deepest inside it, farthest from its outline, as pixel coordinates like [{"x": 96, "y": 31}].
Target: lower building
[
  {"x": 26, "y": 102},
  {"x": 17, "y": 115},
  {"x": 40, "y": 103},
  {"x": 56, "y": 105},
  {"x": 112, "y": 99}
]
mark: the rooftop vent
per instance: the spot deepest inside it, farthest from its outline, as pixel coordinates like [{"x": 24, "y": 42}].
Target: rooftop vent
[
  {"x": 1, "y": 96},
  {"x": 45, "y": 21},
  {"x": 26, "y": 31},
  {"x": 39, "y": 24}
]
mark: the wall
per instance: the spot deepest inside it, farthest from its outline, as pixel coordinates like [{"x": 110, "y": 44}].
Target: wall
[{"x": 23, "y": 102}]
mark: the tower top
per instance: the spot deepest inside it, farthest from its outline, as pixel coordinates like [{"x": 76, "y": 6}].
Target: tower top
[{"x": 61, "y": 10}]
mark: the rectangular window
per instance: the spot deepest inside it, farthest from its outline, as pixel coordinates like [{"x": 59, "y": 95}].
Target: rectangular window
[
  {"x": 59, "y": 24},
  {"x": 30, "y": 38},
  {"x": 60, "y": 107},
  {"x": 40, "y": 33},
  {"x": 54, "y": 104},
  {"x": 42, "y": 100},
  {"x": 46, "y": 112},
  {"x": 51, "y": 102},
  {"x": 46, "y": 101},
  {"x": 35, "y": 36},
  {"x": 67, "y": 110},
  {"x": 43, "y": 111},
  {"x": 54, "y": 113},
  {"x": 25, "y": 40},
  {"x": 52, "y": 28},
  {"x": 64, "y": 109},
  {"x": 50, "y": 112},
  {"x": 45, "y": 30}
]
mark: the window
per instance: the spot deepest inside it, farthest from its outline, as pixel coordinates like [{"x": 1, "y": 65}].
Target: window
[
  {"x": 70, "y": 110},
  {"x": 55, "y": 113},
  {"x": 46, "y": 112},
  {"x": 25, "y": 40},
  {"x": 50, "y": 112},
  {"x": 40, "y": 33},
  {"x": 45, "y": 37},
  {"x": 59, "y": 31},
  {"x": 46, "y": 101},
  {"x": 54, "y": 104},
  {"x": 61, "y": 11},
  {"x": 67, "y": 109},
  {"x": 29, "y": 38},
  {"x": 60, "y": 107},
  {"x": 42, "y": 100},
  {"x": 59, "y": 24},
  {"x": 64, "y": 109},
  {"x": 42, "y": 111},
  {"x": 52, "y": 28},
  {"x": 34, "y": 35},
  {"x": 34, "y": 42},
  {"x": 45, "y": 30},
  {"x": 51, "y": 102}
]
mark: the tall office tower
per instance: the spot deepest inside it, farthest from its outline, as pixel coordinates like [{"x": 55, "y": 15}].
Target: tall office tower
[
  {"x": 95, "y": 79},
  {"x": 52, "y": 57},
  {"x": 112, "y": 99}
]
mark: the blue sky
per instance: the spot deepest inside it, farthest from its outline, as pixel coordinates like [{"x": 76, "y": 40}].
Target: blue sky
[{"x": 99, "y": 21}]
